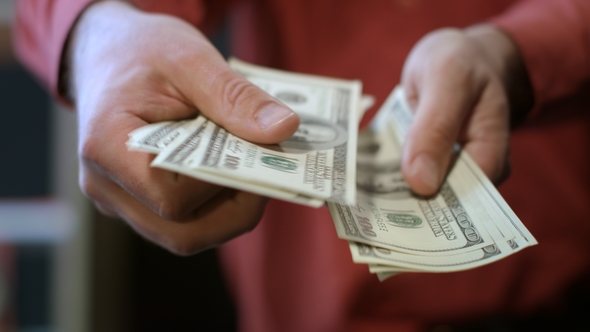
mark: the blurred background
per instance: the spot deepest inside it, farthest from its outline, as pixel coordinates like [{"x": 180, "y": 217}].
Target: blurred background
[{"x": 64, "y": 267}]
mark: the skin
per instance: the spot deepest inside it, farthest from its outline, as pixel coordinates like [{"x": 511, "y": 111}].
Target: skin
[
  {"x": 130, "y": 68},
  {"x": 463, "y": 86}
]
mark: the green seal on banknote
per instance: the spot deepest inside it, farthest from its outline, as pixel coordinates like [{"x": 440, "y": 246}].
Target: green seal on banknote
[
  {"x": 278, "y": 163},
  {"x": 404, "y": 220}
]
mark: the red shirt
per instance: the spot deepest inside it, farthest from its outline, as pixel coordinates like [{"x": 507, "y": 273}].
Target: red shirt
[{"x": 292, "y": 273}]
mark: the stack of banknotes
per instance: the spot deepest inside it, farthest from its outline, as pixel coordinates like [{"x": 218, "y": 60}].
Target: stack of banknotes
[
  {"x": 317, "y": 164},
  {"x": 466, "y": 225}
]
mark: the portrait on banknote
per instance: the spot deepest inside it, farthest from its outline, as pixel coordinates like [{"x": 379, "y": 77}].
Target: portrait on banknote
[{"x": 315, "y": 133}]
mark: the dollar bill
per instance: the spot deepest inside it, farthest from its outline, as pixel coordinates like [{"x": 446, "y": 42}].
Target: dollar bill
[
  {"x": 466, "y": 225},
  {"x": 155, "y": 137},
  {"x": 506, "y": 222},
  {"x": 187, "y": 153},
  {"x": 386, "y": 258},
  {"x": 320, "y": 158},
  {"x": 317, "y": 163}
]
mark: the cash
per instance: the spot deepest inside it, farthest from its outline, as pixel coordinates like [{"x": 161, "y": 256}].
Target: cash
[
  {"x": 465, "y": 225},
  {"x": 317, "y": 164}
]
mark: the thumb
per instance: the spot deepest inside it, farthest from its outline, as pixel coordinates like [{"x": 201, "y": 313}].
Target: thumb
[{"x": 231, "y": 101}]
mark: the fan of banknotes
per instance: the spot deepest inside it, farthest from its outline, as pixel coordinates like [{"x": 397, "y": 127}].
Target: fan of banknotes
[{"x": 466, "y": 225}]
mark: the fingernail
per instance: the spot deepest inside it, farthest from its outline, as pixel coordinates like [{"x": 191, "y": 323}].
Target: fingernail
[
  {"x": 272, "y": 115},
  {"x": 427, "y": 169}
]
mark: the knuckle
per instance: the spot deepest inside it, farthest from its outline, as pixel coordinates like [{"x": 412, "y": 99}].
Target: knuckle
[
  {"x": 170, "y": 208},
  {"x": 455, "y": 63},
  {"x": 184, "y": 251},
  {"x": 104, "y": 210},
  {"x": 90, "y": 148},
  {"x": 236, "y": 91},
  {"x": 91, "y": 190},
  {"x": 88, "y": 186},
  {"x": 251, "y": 223},
  {"x": 183, "y": 246},
  {"x": 249, "y": 227},
  {"x": 441, "y": 135},
  {"x": 252, "y": 219}
]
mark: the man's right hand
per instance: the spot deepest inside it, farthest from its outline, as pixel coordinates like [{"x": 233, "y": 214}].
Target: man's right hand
[{"x": 130, "y": 68}]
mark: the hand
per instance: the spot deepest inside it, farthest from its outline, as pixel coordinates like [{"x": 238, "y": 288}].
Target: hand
[
  {"x": 128, "y": 69},
  {"x": 459, "y": 83}
]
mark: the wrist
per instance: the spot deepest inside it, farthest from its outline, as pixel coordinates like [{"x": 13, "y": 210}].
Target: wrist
[{"x": 80, "y": 43}]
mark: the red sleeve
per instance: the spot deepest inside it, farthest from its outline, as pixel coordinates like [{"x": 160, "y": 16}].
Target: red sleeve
[
  {"x": 42, "y": 28},
  {"x": 554, "y": 40}
]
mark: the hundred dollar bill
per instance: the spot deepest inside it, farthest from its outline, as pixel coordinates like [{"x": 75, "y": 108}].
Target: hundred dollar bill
[
  {"x": 185, "y": 153},
  {"x": 387, "y": 214},
  {"x": 318, "y": 162},
  {"x": 239, "y": 160},
  {"x": 386, "y": 258},
  {"x": 399, "y": 114},
  {"x": 155, "y": 137},
  {"x": 324, "y": 146},
  {"x": 467, "y": 224}
]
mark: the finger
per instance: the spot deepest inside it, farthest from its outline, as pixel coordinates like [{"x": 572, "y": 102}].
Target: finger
[
  {"x": 229, "y": 214},
  {"x": 230, "y": 100},
  {"x": 103, "y": 150},
  {"x": 105, "y": 210},
  {"x": 226, "y": 216},
  {"x": 443, "y": 103},
  {"x": 487, "y": 138},
  {"x": 168, "y": 194}
]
